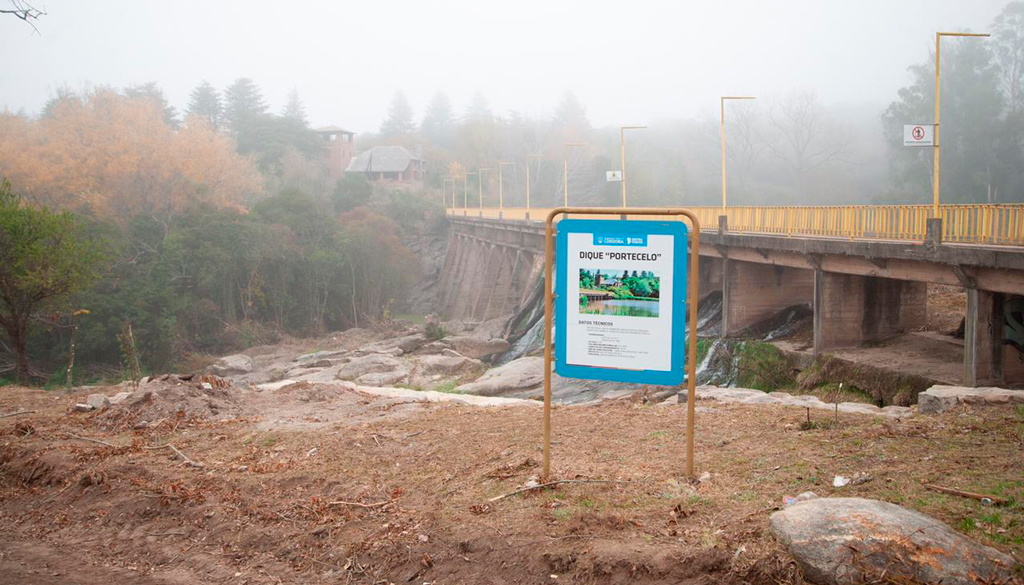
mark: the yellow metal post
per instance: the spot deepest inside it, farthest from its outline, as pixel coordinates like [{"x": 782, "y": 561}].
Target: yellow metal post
[
  {"x": 691, "y": 345},
  {"x": 528, "y": 157},
  {"x": 501, "y": 191},
  {"x": 938, "y": 92},
  {"x": 721, "y": 104},
  {"x": 480, "y": 188},
  {"x": 622, "y": 154}
]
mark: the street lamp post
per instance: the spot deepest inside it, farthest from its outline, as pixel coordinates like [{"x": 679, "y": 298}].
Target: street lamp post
[
  {"x": 722, "y": 108},
  {"x": 528, "y": 157},
  {"x": 465, "y": 190},
  {"x": 622, "y": 152},
  {"x": 938, "y": 46},
  {"x": 480, "y": 187},
  {"x": 565, "y": 171},
  {"x": 501, "y": 185}
]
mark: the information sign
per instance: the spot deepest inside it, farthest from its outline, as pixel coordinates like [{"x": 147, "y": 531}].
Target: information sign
[{"x": 621, "y": 300}]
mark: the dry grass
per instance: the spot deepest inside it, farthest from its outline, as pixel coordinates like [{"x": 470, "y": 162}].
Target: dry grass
[{"x": 439, "y": 467}]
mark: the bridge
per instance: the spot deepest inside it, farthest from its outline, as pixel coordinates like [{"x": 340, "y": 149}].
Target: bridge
[{"x": 863, "y": 270}]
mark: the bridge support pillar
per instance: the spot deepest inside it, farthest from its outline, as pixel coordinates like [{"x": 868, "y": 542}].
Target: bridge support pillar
[
  {"x": 992, "y": 355},
  {"x": 850, "y": 310},
  {"x": 709, "y": 276},
  {"x": 753, "y": 292}
]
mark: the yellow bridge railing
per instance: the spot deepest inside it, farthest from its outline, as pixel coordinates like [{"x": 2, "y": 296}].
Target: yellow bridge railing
[{"x": 997, "y": 224}]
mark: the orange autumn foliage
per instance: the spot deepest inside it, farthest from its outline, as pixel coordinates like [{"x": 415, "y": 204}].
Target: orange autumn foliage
[{"x": 114, "y": 157}]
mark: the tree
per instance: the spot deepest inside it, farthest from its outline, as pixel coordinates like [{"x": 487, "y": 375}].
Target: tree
[
  {"x": 351, "y": 191},
  {"x": 1008, "y": 49},
  {"x": 25, "y": 11},
  {"x": 571, "y": 118},
  {"x": 805, "y": 137},
  {"x": 438, "y": 121},
  {"x": 399, "y": 120},
  {"x": 294, "y": 108},
  {"x": 152, "y": 93},
  {"x": 43, "y": 259},
  {"x": 243, "y": 104},
  {"x": 204, "y": 101},
  {"x": 971, "y": 109},
  {"x": 478, "y": 109}
]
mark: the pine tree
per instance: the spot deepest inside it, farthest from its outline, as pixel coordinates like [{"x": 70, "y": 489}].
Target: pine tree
[
  {"x": 295, "y": 109},
  {"x": 478, "y": 109},
  {"x": 399, "y": 119},
  {"x": 243, "y": 104},
  {"x": 151, "y": 91},
  {"x": 571, "y": 114},
  {"x": 438, "y": 120},
  {"x": 204, "y": 101}
]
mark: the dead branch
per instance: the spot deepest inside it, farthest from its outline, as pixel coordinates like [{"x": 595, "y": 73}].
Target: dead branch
[
  {"x": 16, "y": 413},
  {"x": 359, "y": 505},
  {"x": 184, "y": 457},
  {"x": 980, "y": 497},
  {"x": 551, "y": 483},
  {"x": 80, "y": 438}
]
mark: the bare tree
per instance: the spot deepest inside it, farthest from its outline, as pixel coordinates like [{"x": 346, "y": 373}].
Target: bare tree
[
  {"x": 25, "y": 11},
  {"x": 805, "y": 139}
]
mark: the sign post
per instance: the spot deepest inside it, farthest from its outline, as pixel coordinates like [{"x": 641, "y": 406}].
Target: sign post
[
  {"x": 613, "y": 176},
  {"x": 622, "y": 293}
]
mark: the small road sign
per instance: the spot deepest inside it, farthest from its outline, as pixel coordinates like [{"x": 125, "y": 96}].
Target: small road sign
[
  {"x": 613, "y": 176},
  {"x": 919, "y": 135}
]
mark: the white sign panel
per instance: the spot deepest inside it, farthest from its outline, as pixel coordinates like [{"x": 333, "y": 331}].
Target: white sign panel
[
  {"x": 919, "y": 135},
  {"x": 621, "y": 310},
  {"x": 613, "y": 176}
]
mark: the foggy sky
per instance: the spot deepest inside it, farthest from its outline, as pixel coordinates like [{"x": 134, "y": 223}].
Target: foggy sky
[{"x": 628, "y": 62}]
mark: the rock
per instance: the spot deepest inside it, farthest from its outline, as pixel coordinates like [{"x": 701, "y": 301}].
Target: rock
[
  {"x": 271, "y": 386},
  {"x": 142, "y": 424},
  {"x": 436, "y": 347},
  {"x": 842, "y": 541},
  {"x": 397, "y": 346},
  {"x": 941, "y": 398},
  {"x": 206, "y": 386},
  {"x": 518, "y": 375},
  {"x": 475, "y": 347},
  {"x": 140, "y": 396},
  {"x": 451, "y": 352},
  {"x": 232, "y": 365},
  {"x": 82, "y": 408},
  {"x": 98, "y": 401},
  {"x": 449, "y": 365},
  {"x": 319, "y": 364},
  {"x": 399, "y": 376},
  {"x": 704, "y": 477},
  {"x": 377, "y": 363},
  {"x": 491, "y": 329},
  {"x": 119, "y": 397}
]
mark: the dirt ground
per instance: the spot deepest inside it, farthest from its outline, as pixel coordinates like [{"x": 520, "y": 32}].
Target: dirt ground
[{"x": 326, "y": 485}]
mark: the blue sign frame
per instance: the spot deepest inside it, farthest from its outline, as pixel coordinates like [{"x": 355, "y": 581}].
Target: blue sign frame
[{"x": 624, "y": 233}]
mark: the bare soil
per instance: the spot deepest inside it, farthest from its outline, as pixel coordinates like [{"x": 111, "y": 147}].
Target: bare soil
[{"x": 319, "y": 484}]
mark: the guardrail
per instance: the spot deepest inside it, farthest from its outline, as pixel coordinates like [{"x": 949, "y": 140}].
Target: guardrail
[{"x": 1001, "y": 224}]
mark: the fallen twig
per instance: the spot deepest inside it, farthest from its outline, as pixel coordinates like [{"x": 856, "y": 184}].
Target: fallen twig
[
  {"x": 80, "y": 438},
  {"x": 179, "y": 453},
  {"x": 980, "y": 497},
  {"x": 551, "y": 483},
  {"x": 359, "y": 505},
  {"x": 16, "y": 413}
]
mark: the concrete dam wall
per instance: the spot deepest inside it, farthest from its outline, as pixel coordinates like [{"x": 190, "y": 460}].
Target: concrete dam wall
[{"x": 488, "y": 270}]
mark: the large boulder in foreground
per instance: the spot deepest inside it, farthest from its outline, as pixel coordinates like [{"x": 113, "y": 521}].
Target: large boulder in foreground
[
  {"x": 232, "y": 365},
  {"x": 941, "y": 398},
  {"x": 843, "y": 541},
  {"x": 516, "y": 376}
]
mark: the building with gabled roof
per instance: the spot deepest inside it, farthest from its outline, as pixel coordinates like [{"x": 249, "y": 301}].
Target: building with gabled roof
[{"x": 388, "y": 163}]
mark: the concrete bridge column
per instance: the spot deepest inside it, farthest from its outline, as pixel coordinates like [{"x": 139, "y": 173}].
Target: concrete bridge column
[
  {"x": 753, "y": 292},
  {"x": 709, "y": 276},
  {"x": 992, "y": 355},
  {"x": 850, "y": 310}
]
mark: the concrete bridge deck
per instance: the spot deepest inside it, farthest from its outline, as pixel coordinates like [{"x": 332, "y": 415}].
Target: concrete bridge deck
[{"x": 861, "y": 290}]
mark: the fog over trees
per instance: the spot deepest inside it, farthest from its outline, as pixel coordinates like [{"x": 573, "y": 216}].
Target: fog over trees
[{"x": 216, "y": 224}]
